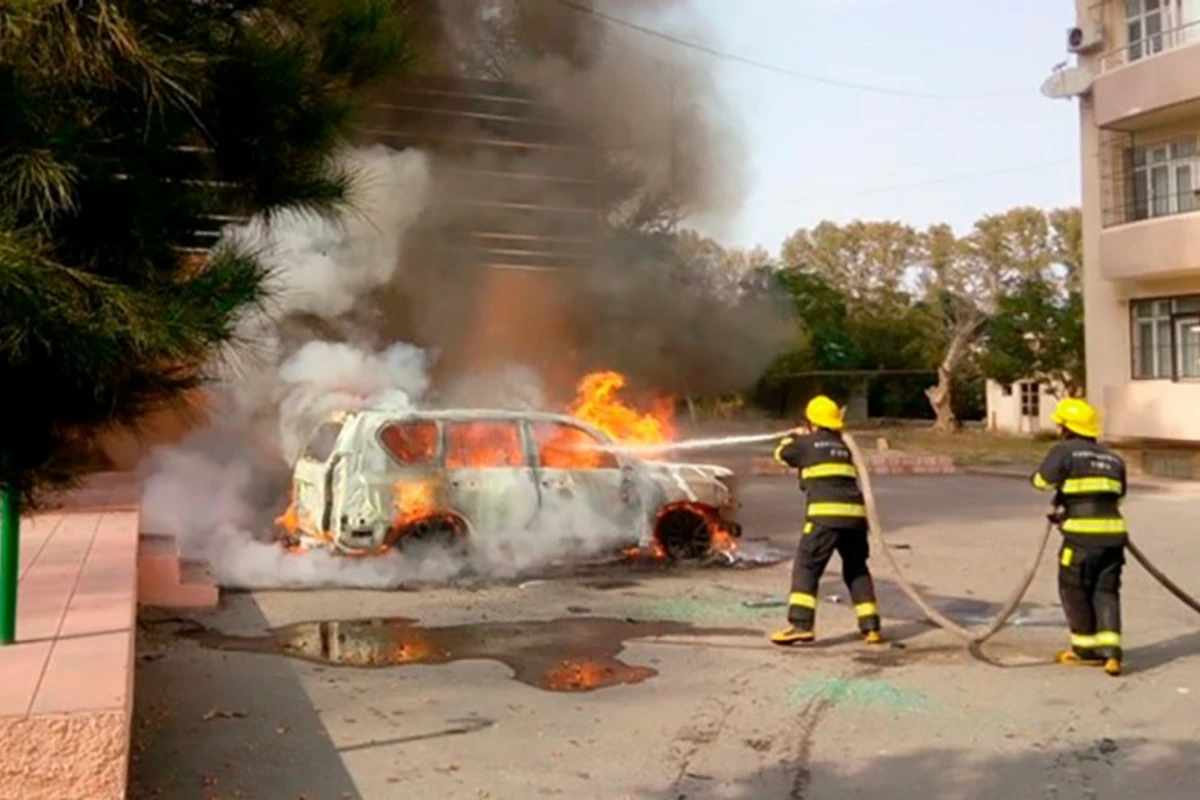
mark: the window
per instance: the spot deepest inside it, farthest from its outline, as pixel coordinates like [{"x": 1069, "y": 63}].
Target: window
[
  {"x": 1166, "y": 338},
  {"x": 1165, "y": 179},
  {"x": 1006, "y": 390},
  {"x": 1153, "y": 26},
  {"x": 1145, "y": 21},
  {"x": 483, "y": 444},
  {"x": 562, "y": 446},
  {"x": 1187, "y": 350},
  {"x": 410, "y": 443},
  {"x": 324, "y": 439},
  {"x": 1031, "y": 396}
]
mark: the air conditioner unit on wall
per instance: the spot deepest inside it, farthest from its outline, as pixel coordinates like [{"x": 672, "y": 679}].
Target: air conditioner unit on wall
[{"x": 1086, "y": 38}]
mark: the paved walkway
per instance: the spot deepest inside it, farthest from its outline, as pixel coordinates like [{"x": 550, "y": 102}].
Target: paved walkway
[{"x": 66, "y": 685}]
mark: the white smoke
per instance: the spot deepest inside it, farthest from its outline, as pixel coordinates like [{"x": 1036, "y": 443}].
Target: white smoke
[
  {"x": 323, "y": 377},
  {"x": 219, "y": 491},
  {"x": 326, "y": 266}
]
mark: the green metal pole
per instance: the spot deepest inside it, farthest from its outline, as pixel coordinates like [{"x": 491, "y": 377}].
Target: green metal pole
[{"x": 10, "y": 545}]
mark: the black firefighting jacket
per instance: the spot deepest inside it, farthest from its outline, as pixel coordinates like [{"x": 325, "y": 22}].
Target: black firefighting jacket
[
  {"x": 828, "y": 478},
  {"x": 1088, "y": 481}
]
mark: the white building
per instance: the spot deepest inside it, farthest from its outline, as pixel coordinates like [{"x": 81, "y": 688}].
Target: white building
[{"x": 1021, "y": 407}]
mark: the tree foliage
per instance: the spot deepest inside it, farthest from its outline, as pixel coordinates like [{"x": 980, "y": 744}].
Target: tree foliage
[
  {"x": 1001, "y": 301},
  {"x": 126, "y": 127}
]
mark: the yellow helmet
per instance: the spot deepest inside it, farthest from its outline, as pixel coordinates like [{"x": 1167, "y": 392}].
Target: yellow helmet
[
  {"x": 824, "y": 413},
  {"x": 1078, "y": 416}
]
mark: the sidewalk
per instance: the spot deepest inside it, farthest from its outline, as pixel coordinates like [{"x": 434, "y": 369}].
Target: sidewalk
[{"x": 66, "y": 684}]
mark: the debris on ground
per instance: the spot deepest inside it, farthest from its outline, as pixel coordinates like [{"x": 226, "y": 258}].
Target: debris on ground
[
  {"x": 770, "y": 603},
  {"x": 218, "y": 713}
]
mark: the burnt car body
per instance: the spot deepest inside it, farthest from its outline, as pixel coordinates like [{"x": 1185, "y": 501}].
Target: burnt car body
[{"x": 372, "y": 480}]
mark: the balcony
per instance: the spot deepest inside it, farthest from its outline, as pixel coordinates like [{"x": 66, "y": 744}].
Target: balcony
[
  {"x": 1152, "y": 249},
  {"x": 1149, "y": 81}
]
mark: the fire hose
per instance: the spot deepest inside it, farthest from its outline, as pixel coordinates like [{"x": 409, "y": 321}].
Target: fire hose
[{"x": 974, "y": 639}]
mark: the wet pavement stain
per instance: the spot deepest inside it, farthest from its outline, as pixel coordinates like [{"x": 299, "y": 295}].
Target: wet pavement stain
[
  {"x": 609, "y": 585},
  {"x": 575, "y": 654}
]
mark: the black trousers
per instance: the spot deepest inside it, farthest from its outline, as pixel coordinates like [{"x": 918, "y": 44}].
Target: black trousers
[
  {"x": 1089, "y": 585},
  {"x": 817, "y": 545}
]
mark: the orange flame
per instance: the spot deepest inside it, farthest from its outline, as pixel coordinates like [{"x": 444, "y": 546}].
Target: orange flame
[
  {"x": 413, "y": 500},
  {"x": 483, "y": 444},
  {"x": 597, "y": 403},
  {"x": 289, "y": 520},
  {"x": 721, "y": 538}
]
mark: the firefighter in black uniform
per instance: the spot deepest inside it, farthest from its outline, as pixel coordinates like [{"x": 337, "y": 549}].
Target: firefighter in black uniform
[
  {"x": 835, "y": 519},
  {"x": 1089, "y": 483}
]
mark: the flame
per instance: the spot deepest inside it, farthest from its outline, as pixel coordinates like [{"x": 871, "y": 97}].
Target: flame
[
  {"x": 289, "y": 520},
  {"x": 411, "y": 442},
  {"x": 412, "y": 501},
  {"x": 597, "y": 403},
  {"x": 483, "y": 444},
  {"x": 721, "y": 539}
]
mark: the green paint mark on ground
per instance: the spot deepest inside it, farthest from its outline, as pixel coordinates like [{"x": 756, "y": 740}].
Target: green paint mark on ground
[
  {"x": 707, "y": 609},
  {"x": 859, "y": 692}
]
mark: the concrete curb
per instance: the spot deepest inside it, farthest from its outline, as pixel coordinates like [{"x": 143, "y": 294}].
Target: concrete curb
[{"x": 1182, "y": 487}]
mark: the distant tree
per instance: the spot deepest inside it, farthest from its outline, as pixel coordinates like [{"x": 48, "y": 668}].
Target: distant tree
[
  {"x": 965, "y": 279},
  {"x": 1036, "y": 333},
  {"x": 1066, "y": 244},
  {"x": 824, "y": 318},
  {"x": 104, "y": 318},
  {"x": 862, "y": 259},
  {"x": 1036, "y": 330}
]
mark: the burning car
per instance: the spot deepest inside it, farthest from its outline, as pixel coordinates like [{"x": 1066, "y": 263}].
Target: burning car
[{"x": 374, "y": 480}]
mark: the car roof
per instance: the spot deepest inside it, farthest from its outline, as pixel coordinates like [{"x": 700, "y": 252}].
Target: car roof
[{"x": 465, "y": 415}]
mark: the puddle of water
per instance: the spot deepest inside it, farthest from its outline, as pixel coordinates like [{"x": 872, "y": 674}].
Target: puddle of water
[{"x": 574, "y": 654}]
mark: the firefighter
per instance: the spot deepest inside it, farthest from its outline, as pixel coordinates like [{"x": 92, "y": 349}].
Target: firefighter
[
  {"x": 1088, "y": 481},
  {"x": 835, "y": 520}
]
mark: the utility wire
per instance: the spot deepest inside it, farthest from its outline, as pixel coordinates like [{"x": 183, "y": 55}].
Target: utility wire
[
  {"x": 959, "y": 178},
  {"x": 750, "y": 62}
]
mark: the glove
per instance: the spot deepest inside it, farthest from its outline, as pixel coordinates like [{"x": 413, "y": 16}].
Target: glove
[{"x": 1056, "y": 516}]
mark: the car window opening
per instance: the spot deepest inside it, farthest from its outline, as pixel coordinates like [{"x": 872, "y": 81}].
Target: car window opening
[
  {"x": 483, "y": 444},
  {"x": 566, "y": 447},
  {"x": 410, "y": 442}
]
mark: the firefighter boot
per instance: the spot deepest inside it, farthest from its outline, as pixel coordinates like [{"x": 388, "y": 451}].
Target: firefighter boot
[
  {"x": 1073, "y": 659},
  {"x": 873, "y": 637},
  {"x": 792, "y": 635},
  {"x": 1113, "y": 666}
]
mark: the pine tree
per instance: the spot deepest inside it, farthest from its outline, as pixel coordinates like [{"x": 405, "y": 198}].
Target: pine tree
[{"x": 125, "y": 128}]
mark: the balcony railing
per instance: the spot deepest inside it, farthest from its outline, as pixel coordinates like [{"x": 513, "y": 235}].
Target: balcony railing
[
  {"x": 1150, "y": 46},
  {"x": 1135, "y": 204}
]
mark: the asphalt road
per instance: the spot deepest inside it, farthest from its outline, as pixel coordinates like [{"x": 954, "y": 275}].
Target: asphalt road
[{"x": 712, "y": 711}]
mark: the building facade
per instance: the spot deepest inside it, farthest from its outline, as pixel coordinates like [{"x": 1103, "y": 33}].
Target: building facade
[
  {"x": 1137, "y": 80},
  {"x": 1024, "y": 407}
]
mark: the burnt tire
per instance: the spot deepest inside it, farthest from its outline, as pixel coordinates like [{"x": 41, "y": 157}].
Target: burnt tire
[
  {"x": 684, "y": 534},
  {"x": 440, "y": 533}
]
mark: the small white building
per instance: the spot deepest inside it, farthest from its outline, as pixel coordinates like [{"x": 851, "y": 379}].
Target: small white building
[{"x": 1021, "y": 407}]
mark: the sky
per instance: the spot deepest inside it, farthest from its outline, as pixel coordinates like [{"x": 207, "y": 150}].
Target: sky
[{"x": 818, "y": 152}]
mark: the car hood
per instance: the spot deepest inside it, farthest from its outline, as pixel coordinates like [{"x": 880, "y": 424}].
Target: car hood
[{"x": 688, "y": 469}]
